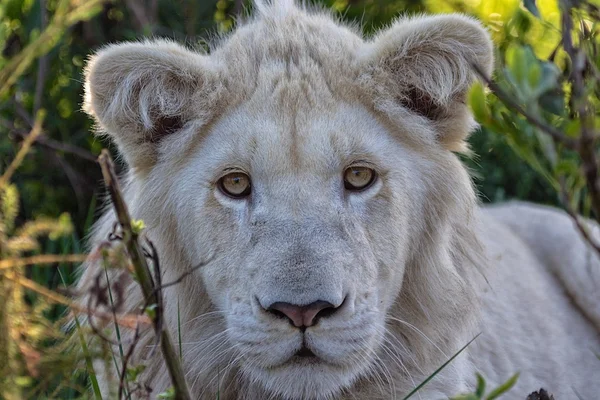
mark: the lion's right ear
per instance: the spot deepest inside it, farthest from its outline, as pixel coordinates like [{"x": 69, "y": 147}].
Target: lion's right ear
[
  {"x": 141, "y": 92},
  {"x": 424, "y": 66}
]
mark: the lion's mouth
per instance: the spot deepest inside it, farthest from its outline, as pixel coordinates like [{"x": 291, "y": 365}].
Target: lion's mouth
[
  {"x": 305, "y": 352},
  {"x": 304, "y": 356}
]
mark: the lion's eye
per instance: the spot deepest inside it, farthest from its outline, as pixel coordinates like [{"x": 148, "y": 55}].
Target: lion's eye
[
  {"x": 235, "y": 184},
  {"x": 358, "y": 178}
]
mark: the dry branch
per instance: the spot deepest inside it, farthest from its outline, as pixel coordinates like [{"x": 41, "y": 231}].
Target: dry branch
[
  {"x": 583, "y": 230},
  {"x": 41, "y": 259},
  {"x": 128, "y": 321},
  {"x": 35, "y": 132},
  {"x": 142, "y": 272}
]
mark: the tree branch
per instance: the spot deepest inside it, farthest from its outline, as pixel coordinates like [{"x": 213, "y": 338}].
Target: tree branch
[
  {"x": 565, "y": 199},
  {"x": 33, "y": 135},
  {"x": 52, "y": 144},
  {"x": 580, "y": 103},
  {"x": 128, "y": 321},
  {"x": 557, "y": 135},
  {"x": 41, "y": 259},
  {"x": 142, "y": 273}
]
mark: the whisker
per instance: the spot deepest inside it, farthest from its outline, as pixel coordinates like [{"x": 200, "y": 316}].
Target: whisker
[
  {"x": 419, "y": 332},
  {"x": 207, "y": 314}
]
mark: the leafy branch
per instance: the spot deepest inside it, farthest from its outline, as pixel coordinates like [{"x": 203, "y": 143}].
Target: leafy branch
[{"x": 564, "y": 126}]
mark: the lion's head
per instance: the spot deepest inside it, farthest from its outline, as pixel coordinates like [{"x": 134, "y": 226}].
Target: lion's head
[{"x": 314, "y": 170}]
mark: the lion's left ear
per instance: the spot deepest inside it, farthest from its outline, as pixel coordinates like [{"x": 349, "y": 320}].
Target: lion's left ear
[
  {"x": 143, "y": 92},
  {"x": 423, "y": 66}
]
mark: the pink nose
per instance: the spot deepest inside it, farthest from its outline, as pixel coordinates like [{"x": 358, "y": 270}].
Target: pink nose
[{"x": 302, "y": 316}]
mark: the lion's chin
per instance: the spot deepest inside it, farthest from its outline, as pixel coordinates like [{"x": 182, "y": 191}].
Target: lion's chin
[{"x": 304, "y": 378}]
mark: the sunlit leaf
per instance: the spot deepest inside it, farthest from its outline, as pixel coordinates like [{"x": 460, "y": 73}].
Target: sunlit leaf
[{"x": 502, "y": 389}]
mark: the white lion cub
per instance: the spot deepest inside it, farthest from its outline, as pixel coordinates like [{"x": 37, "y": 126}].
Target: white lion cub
[{"x": 349, "y": 259}]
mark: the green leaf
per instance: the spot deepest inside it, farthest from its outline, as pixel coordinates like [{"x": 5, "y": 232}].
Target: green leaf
[
  {"x": 566, "y": 167},
  {"x": 23, "y": 381},
  {"x": 480, "y": 391},
  {"x": 534, "y": 74},
  {"x": 469, "y": 396},
  {"x": 517, "y": 64},
  {"x": 553, "y": 102},
  {"x": 549, "y": 79},
  {"x": 168, "y": 394},
  {"x": 477, "y": 102},
  {"x": 134, "y": 372},
  {"x": 151, "y": 311},
  {"x": 532, "y": 7},
  {"x": 505, "y": 387}
]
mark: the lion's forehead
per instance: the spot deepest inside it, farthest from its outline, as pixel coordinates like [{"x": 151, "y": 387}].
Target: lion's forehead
[
  {"x": 298, "y": 141},
  {"x": 300, "y": 56}
]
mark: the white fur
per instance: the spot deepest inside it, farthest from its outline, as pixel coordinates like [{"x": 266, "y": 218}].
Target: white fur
[{"x": 293, "y": 98}]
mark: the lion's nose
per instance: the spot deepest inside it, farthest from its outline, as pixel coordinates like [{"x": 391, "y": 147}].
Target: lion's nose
[{"x": 303, "y": 316}]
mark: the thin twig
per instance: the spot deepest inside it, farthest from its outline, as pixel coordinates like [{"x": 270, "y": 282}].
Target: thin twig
[
  {"x": 113, "y": 318},
  {"x": 62, "y": 147},
  {"x": 143, "y": 275},
  {"x": 127, "y": 321},
  {"x": 35, "y": 132},
  {"x": 45, "y": 141},
  {"x": 41, "y": 259},
  {"x": 22, "y": 112},
  {"x": 182, "y": 276},
  {"x": 122, "y": 379},
  {"x": 564, "y": 196},
  {"x": 509, "y": 102}
]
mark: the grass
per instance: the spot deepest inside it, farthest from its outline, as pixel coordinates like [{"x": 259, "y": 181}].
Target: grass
[{"x": 437, "y": 371}]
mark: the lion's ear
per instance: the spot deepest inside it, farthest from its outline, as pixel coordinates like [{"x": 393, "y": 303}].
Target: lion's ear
[
  {"x": 141, "y": 92},
  {"x": 424, "y": 65}
]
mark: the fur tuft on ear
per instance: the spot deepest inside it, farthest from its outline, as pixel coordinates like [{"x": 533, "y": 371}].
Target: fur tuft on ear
[
  {"x": 424, "y": 66},
  {"x": 139, "y": 93}
]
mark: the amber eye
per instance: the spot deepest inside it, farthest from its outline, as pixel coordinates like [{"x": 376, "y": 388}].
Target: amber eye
[
  {"x": 235, "y": 184},
  {"x": 358, "y": 178}
]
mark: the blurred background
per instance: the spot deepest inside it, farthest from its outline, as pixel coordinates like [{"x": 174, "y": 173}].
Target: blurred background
[
  {"x": 62, "y": 178},
  {"x": 44, "y": 45}
]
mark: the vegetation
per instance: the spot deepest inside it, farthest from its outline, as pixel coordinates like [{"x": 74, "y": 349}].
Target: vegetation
[{"x": 537, "y": 142}]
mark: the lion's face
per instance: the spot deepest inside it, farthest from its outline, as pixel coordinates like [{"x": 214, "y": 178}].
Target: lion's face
[
  {"x": 300, "y": 236},
  {"x": 311, "y": 170}
]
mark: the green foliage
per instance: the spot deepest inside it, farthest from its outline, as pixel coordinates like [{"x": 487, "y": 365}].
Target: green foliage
[
  {"x": 539, "y": 108},
  {"x": 32, "y": 342},
  {"x": 167, "y": 395},
  {"x": 32, "y": 346},
  {"x": 479, "y": 393}
]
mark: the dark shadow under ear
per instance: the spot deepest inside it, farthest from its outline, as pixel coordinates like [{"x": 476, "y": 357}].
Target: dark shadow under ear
[
  {"x": 165, "y": 126},
  {"x": 421, "y": 103}
]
